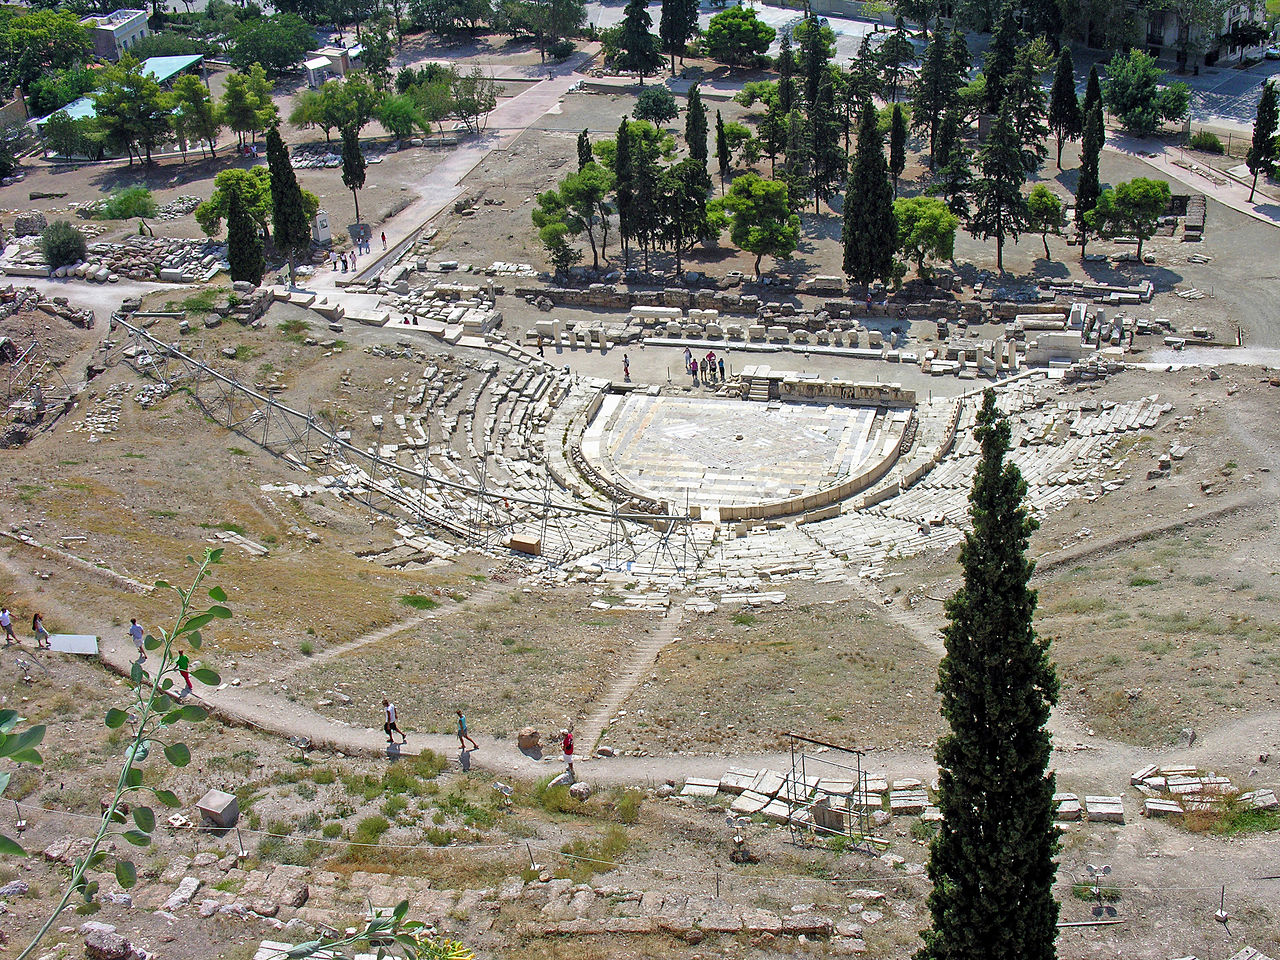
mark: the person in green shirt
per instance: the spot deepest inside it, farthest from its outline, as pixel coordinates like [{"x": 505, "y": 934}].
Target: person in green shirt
[{"x": 184, "y": 664}]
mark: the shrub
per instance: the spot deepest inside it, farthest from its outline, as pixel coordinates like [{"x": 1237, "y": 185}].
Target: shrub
[
  {"x": 332, "y": 830},
  {"x": 561, "y": 50},
  {"x": 418, "y": 602},
  {"x": 656, "y": 104},
  {"x": 1206, "y": 141},
  {"x": 306, "y": 648},
  {"x": 126, "y": 204},
  {"x": 62, "y": 244},
  {"x": 370, "y": 829}
]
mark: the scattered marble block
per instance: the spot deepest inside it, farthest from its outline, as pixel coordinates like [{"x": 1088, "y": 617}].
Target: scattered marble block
[
  {"x": 219, "y": 809},
  {"x": 1155, "y": 807},
  {"x": 1260, "y": 800},
  {"x": 749, "y": 802},
  {"x": 1104, "y": 809},
  {"x": 737, "y": 779},
  {"x": 767, "y": 783},
  {"x": 700, "y": 788},
  {"x": 1066, "y": 807}
]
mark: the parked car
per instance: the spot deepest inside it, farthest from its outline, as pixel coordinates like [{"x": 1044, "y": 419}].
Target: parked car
[{"x": 1272, "y": 52}]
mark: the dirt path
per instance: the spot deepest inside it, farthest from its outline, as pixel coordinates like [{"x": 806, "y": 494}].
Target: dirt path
[
  {"x": 485, "y": 595},
  {"x": 642, "y": 657}
]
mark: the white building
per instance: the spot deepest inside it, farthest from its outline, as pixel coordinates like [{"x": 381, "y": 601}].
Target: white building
[
  {"x": 116, "y": 32},
  {"x": 1170, "y": 37}
]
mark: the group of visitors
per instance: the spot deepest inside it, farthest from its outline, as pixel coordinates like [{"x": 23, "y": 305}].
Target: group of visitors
[
  {"x": 391, "y": 727},
  {"x": 707, "y": 370},
  {"x": 37, "y": 627},
  {"x": 343, "y": 260}
]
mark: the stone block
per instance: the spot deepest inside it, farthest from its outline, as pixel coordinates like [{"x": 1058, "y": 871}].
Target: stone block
[
  {"x": 694, "y": 787},
  {"x": 737, "y": 779},
  {"x": 1156, "y": 807},
  {"x": 219, "y": 809},
  {"x": 767, "y": 783},
  {"x": 1066, "y": 807},
  {"x": 749, "y": 802},
  {"x": 1104, "y": 809}
]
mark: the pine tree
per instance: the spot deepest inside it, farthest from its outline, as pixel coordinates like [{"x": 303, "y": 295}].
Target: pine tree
[
  {"x": 1025, "y": 100},
  {"x": 997, "y": 66},
  {"x": 623, "y": 171},
  {"x": 1092, "y": 94},
  {"x": 797, "y": 158},
  {"x": 1262, "y": 155},
  {"x": 960, "y": 58},
  {"x": 638, "y": 48},
  {"x": 695, "y": 126},
  {"x": 1064, "y": 107},
  {"x": 870, "y": 229},
  {"x": 897, "y": 145},
  {"x": 244, "y": 242},
  {"x": 1088, "y": 187},
  {"x": 288, "y": 216},
  {"x": 677, "y": 24},
  {"x": 353, "y": 165},
  {"x": 829, "y": 158},
  {"x": 584, "y": 149},
  {"x": 646, "y": 213},
  {"x": 786, "y": 73},
  {"x": 997, "y": 840},
  {"x": 813, "y": 60},
  {"x": 1000, "y": 210},
  {"x": 935, "y": 90},
  {"x": 722, "y": 151},
  {"x": 954, "y": 176}
]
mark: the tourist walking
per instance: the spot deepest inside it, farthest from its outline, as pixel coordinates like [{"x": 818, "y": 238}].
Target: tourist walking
[
  {"x": 463, "y": 736},
  {"x": 702, "y": 368},
  {"x": 566, "y": 744},
  {"x": 183, "y": 665},
  {"x": 540, "y": 353},
  {"x": 626, "y": 368},
  {"x": 135, "y": 631},
  {"x": 384, "y": 240},
  {"x": 42, "y": 635},
  {"x": 390, "y": 727},
  {"x": 721, "y": 362},
  {"x": 6, "y": 621}
]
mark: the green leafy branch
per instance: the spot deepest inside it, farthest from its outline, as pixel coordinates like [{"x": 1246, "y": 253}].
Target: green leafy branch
[
  {"x": 20, "y": 748},
  {"x": 157, "y": 713},
  {"x": 388, "y": 935}
]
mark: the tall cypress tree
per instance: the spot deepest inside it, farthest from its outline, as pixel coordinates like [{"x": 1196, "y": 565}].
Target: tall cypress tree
[
  {"x": 1025, "y": 101},
  {"x": 288, "y": 216},
  {"x": 353, "y": 165},
  {"x": 897, "y": 145},
  {"x": 997, "y": 66},
  {"x": 797, "y": 159},
  {"x": 935, "y": 90},
  {"x": 1000, "y": 210},
  {"x": 870, "y": 228},
  {"x": 638, "y": 48},
  {"x": 1262, "y": 154},
  {"x": 623, "y": 171},
  {"x": 722, "y": 151},
  {"x": 786, "y": 73},
  {"x": 244, "y": 242},
  {"x": 1064, "y": 107},
  {"x": 992, "y": 862},
  {"x": 1092, "y": 93},
  {"x": 959, "y": 57},
  {"x": 695, "y": 126},
  {"x": 954, "y": 178},
  {"x": 829, "y": 158},
  {"x": 584, "y": 149},
  {"x": 677, "y": 24},
  {"x": 1088, "y": 187}
]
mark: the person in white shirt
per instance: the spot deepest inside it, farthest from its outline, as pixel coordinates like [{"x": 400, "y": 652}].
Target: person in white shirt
[
  {"x": 6, "y": 621},
  {"x": 390, "y": 727}
]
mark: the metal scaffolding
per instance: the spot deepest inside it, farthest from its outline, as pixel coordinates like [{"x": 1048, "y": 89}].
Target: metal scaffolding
[
  {"x": 482, "y": 514},
  {"x": 827, "y": 795}
]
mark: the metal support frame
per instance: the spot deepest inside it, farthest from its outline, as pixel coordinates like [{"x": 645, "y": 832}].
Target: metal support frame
[
  {"x": 853, "y": 821},
  {"x": 384, "y": 485}
]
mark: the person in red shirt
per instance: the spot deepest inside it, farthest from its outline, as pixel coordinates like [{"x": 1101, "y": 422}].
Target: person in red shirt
[{"x": 567, "y": 745}]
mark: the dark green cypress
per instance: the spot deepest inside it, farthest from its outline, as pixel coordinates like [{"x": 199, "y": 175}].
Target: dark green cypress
[
  {"x": 786, "y": 72},
  {"x": 288, "y": 216},
  {"x": 992, "y": 861},
  {"x": 813, "y": 59},
  {"x": 624, "y": 189},
  {"x": 584, "y": 149},
  {"x": 897, "y": 145},
  {"x": 244, "y": 243},
  {"x": 1088, "y": 186},
  {"x": 1064, "y": 108},
  {"x": 639, "y": 48},
  {"x": 722, "y": 151},
  {"x": 1092, "y": 93},
  {"x": 870, "y": 228},
  {"x": 829, "y": 158},
  {"x": 353, "y": 165},
  {"x": 695, "y": 126}
]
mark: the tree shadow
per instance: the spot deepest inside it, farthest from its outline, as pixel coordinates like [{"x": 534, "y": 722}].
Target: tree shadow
[{"x": 168, "y": 175}]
